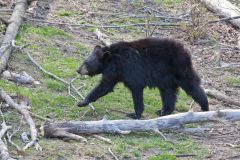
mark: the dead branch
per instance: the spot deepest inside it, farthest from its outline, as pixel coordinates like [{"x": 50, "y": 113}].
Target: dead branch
[
  {"x": 127, "y": 126},
  {"x": 57, "y": 78},
  {"x": 102, "y": 37},
  {"x": 194, "y": 130},
  {"x": 228, "y": 65},
  {"x": 103, "y": 26},
  {"x": 22, "y": 109},
  {"x": 12, "y": 30},
  {"x": 4, "y": 155},
  {"x": 40, "y": 117},
  {"x": 45, "y": 71},
  {"x": 103, "y": 138},
  {"x": 222, "y": 97},
  {"x": 224, "y": 19},
  {"x": 224, "y": 8},
  {"x": 114, "y": 156},
  {"x": 22, "y": 78},
  {"x": 6, "y": 10}
]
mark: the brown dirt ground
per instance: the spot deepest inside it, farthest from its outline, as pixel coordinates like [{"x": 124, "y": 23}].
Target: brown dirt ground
[{"x": 224, "y": 139}]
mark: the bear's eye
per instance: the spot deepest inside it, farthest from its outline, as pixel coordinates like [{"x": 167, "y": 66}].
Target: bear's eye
[{"x": 90, "y": 62}]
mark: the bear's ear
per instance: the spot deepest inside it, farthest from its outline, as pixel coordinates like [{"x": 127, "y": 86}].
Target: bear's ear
[
  {"x": 97, "y": 47},
  {"x": 104, "y": 54}
]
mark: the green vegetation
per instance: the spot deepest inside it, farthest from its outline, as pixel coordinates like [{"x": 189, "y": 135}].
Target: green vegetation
[
  {"x": 138, "y": 144},
  {"x": 168, "y": 3},
  {"x": 233, "y": 81},
  {"x": 45, "y": 31},
  {"x": 164, "y": 156},
  {"x": 51, "y": 98},
  {"x": 64, "y": 13}
]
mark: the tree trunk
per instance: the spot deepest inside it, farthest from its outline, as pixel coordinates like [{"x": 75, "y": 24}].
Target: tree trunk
[
  {"x": 53, "y": 129},
  {"x": 11, "y": 32},
  {"x": 224, "y": 8}
]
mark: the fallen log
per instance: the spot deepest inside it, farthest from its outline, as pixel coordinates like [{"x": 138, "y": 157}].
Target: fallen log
[
  {"x": 11, "y": 32},
  {"x": 176, "y": 121},
  {"x": 222, "y": 97},
  {"x": 224, "y": 8}
]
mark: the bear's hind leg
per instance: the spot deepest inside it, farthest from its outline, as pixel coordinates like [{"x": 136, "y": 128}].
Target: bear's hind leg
[
  {"x": 197, "y": 93},
  {"x": 168, "y": 101}
]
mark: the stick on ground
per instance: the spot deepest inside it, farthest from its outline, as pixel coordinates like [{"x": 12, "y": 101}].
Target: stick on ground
[{"x": 24, "y": 111}]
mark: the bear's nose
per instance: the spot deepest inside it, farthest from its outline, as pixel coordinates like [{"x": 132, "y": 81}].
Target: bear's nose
[
  {"x": 83, "y": 70},
  {"x": 78, "y": 71}
]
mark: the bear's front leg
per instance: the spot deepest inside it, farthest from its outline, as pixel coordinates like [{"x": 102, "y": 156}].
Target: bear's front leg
[{"x": 100, "y": 90}]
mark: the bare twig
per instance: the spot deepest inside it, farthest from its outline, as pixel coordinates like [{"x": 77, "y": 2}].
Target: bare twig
[
  {"x": 45, "y": 71},
  {"x": 10, "y": 135},
  {"x": 194, "y": 130},
  {"x": 191, "y": 105},
  {"x": 223, "y": 19},
  {"x": 58, "y": 78},
  {"x": 114, "y": 156},
  {"x": 4, "y": 155},
  {"x": 6, "y": 10},
  {"x": 185, "y": 155},
  {"x": 102, "y": 37},
  {"x": 13, "y": 43},
  {"x": 119, "y": 111},
  {"x": 228, "y": 65},
  {"x": 103, "y": 138},
  {"x": 40, "y": 117},
  {"x": 82, "y": 116}
]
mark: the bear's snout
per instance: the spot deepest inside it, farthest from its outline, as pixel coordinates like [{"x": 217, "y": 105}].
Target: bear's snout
[{"x": 82, "y": 70}]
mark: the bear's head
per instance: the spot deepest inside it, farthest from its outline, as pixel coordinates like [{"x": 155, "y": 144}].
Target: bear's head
[{"x": 94, "y": 63}]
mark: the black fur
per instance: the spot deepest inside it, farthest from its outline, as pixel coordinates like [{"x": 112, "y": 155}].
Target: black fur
[{"x": 161, "y": 63}]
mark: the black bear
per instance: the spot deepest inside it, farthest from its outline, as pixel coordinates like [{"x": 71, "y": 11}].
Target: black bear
[{"x": 151, "y": 62}]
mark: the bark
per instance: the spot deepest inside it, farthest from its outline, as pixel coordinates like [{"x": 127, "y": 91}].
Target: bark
[
  {"x": 224, "y": 8},
  {"x": 222, "y": 97},
  {"x": 22, "y": 78},
  {"x": 11, "y": 32},
  {"x": 51, "y": 129}
]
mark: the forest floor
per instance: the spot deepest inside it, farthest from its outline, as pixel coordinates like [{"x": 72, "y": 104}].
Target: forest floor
[{"x": 61, "y": 47}]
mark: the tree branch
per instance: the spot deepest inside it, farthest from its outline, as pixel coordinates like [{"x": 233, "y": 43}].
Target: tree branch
[
  {"x": 11, "y": 32},
  {"x": 22, "y": 109}
]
